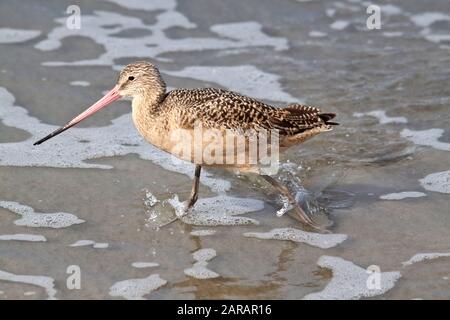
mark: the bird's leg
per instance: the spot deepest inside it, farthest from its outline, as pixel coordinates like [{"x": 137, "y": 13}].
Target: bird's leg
[
  {"x": 192, "y": 199},
  {"x": 300, "y": 214},
  {"x": 194, "y": 192}
]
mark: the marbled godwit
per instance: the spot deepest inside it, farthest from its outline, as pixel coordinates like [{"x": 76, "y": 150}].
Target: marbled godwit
[{"x": 157, "y": 114}]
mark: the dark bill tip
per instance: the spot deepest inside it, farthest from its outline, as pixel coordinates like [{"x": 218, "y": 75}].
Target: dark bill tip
[
  {"x": 51, "y": 135},
  {"x": 111, "y": 96}
]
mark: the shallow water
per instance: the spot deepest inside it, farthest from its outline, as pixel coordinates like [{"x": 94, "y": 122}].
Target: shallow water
[{"x": 87, "y": 192}]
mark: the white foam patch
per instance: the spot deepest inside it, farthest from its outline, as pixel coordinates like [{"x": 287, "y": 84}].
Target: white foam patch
[
  {"x": 145, "y": 5},
  {"x": 251, "y": 33},
  {"x": 217, "y": 211},
  {"x": 199, "y": 270},
  {"x": 392, "y": 34},
  {"x": 136, "y": 289},
  {"x": 340, "y": 25},
  {"x": 402, "y": 195},
  {"x": 205, "y": 254},
  {"x": 390, "y": 9},
  {"x": 37, "y": 219},
  {"x": 23, "y": 237},
  {"x": 435, "y": 37},
  {"x": 437, "y": 182},
  {"x": 429, "y": 138},
  {"x": 202, "y": 233},
  {"x": 8, "y": 35},
  {"x": 426, "y": 19},
  {"x": 246, "y": 79},
  {"x": 84, "y": 243},
  {"x": 330, "y": 12},
  {"x": 345, "y": 6},
  {"x": 85, "y": 144},
  {"x": 381, "y": 116},
  {"x": 229, "y": 36},
  {"x": 80, "y": 83},
  {"x": 317, "y": 34},
  {"x": 141, "y": 265},
  {"x": 323, "y": 241},
  {"x": 41, "y": 281},
  {"x": 425, "y": 256},
  {"x": 350, "y": 282},
  {"x": 98, "y": 28}
]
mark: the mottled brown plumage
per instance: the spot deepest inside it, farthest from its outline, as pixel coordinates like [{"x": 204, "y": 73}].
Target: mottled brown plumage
[{"x": 158, "y": 114}]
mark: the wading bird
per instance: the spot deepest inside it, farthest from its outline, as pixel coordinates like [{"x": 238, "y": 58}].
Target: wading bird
[{"x": 157, "y": 114}]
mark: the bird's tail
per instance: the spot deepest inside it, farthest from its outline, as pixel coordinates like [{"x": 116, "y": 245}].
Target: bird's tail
[{"x": 326, "y": 117}]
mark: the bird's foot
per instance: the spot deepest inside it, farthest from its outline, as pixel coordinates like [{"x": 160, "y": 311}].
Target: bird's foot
[
  {"x": 183, "y": 210},
  {"x": 168, "y": 222},
  {"x": 305, "y": 219}
]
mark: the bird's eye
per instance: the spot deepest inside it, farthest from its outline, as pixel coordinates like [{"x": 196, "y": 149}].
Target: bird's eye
[{"x": 131, "y": 78}]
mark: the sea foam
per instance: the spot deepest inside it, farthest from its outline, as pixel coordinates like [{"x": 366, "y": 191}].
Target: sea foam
[
  {"x": 41, "y": 281},
  {"x": 350, "y": 282},
  {"x": 425, "y": 256},
  {"x": 30, "y": 218},
  {"x": 136, "y": 289},
  {"x": 199, "y": 270},
  {"x": 323, "y": 241}
]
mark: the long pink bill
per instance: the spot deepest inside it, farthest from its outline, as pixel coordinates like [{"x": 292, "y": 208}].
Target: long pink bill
[{"x": 110, "y": 97}]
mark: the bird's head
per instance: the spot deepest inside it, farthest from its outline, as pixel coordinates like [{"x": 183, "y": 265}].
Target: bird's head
[
  {"x": 137, "y": 80},
  {"x": 141, "y": 79}
]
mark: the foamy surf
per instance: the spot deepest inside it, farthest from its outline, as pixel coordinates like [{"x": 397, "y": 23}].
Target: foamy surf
[
  {"x": 350, "y": 282},
  {"x": 437, "y": 182},
  {"x": 23, "y": 237},
  {"x": 137, "y": 289},
  {"x": 95, "y": 245},
  {"x": 429, "y": 138},
  {"x": 246, "y": 79},
  {"x": 30, "y": 218},
  {"x": 402, "y": 195},
  {"x": 41, "y": 281},
  {"x": 323, "y": 241},
  {"x": 141, "y": 264},
  {"x": 9, "y": 35},
  {"x": 202, "y": 233},
  {"x": 246, "y": 34},
  {"x": 80, "y": 83},
  {"x": 381, "y": 116},
  {"x": 199, "y": 269},
  {"x": 217, "y": 211},
  {"x": 425, "y": 257}
]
